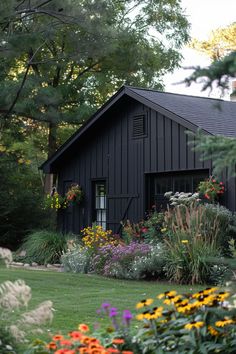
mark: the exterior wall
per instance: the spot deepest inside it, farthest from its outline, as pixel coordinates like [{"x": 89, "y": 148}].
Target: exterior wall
[{"x": 109, "y": 152}]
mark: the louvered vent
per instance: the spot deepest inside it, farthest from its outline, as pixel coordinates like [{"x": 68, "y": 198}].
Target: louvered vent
[{"x": 139, "y": 126}]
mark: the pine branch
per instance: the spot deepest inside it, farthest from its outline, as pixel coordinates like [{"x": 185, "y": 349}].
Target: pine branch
[{"x": 22, "y": 83}]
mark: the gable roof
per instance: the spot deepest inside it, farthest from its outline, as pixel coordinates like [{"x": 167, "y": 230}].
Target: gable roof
[{"x": 214, "y": 116}]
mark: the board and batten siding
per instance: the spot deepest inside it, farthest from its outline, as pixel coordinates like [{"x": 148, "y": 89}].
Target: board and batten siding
[{"x": 109, "y": 152}]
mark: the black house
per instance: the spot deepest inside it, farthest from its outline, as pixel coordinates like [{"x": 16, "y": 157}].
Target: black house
[{"x": 133, "y": 150}]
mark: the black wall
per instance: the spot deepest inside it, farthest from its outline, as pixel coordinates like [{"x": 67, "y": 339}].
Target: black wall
[{"x": 109, "y": 152}]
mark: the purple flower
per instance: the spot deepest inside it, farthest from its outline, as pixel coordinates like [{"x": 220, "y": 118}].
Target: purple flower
[
  {"x": 127, "y": 316},
  {"x": 105, "y": 305},
  {"x": 113, "y": 312}
]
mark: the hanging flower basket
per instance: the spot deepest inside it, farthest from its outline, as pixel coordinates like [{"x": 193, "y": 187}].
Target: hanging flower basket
[
  {"x": 74, "y": 194},
  {"x": 55, "y": 201},
  {"x": 211, "y": 189}
]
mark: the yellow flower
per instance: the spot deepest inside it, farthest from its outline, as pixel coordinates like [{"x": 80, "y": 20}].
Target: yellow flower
[
  {"x": 167, "y": 294},
  {"x": 145, "y": 302},
  {"x": 140, "y": 317},
  {"x": 194, "y": 324},
  {"x": 198, "y": 294},
  {"x": 184, "y": 241},
  {"x": 213, "y": 331},
  {"x": 222, "y": 295},
  {"x": 224, "y": 322},
  {"x": 189, "y": 308},
  {"x": 210, "y": 290},
  {"x": 164, "y": 229},
  {"x": 172, "y": 299}
]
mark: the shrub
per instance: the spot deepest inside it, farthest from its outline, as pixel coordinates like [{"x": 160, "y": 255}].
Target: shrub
[
  {"x": 226, "y": 225},
  {"x": 77, "y": 259},
  {"x": 45, "y": 246},
  {"x": 151, "y": 265},
  {"x": 95, "y": 237},
  {"x": 199, "y": 323},
  {"x": 153, "y": 227},
  {"x": 182, "y": 198},
  {"x": 117, "y": 261},
  {"x": 132, "y": 232}
]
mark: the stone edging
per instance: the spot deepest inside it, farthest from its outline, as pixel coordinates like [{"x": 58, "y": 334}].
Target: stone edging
[{"x": 35, "y": 266}]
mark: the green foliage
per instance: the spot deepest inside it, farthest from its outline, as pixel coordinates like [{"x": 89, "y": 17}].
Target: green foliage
[
  {"x": 8, "y": 344},
  {"x": 20, "y": 201},
  {"x": 217, "y": 73},
  {"x": 226, "y": 225},
  {"x": 211, "y": 189},
  {"x": 77, "y": 259},
  {"x": 45, "y": 246},
  {"x": 55, "y": 201},
  {"x": 68, "y": 57},
  {"x": 151, "y": 266},
  {"x": 221, "y": 150},
  {"x": 198, "y": 323},
  {"x": 191, "y": 240},
  {"x": 154, "y": 227}
]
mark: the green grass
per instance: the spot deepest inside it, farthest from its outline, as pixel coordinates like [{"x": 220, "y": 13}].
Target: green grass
[{"x": 76, "y": 297}]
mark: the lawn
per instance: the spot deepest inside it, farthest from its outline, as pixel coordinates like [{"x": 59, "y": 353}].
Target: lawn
[{"x": 76, "y": 297}]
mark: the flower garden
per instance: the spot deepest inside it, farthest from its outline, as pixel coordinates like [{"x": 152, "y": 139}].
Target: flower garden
[{"x": 192, "y": 242}]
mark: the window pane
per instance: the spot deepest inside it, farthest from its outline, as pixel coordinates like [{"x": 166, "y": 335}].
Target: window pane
[{"x": 100, "y": 204}]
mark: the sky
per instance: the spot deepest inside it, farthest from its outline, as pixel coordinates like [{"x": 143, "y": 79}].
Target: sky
[{"x": 204, "y": 16}]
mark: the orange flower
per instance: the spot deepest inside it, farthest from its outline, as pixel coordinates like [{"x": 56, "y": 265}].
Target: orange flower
[
  {"x": 51, "y": 345},
  {"x": 112, "y": 350},
  {"x": 127, "y": 352},
  {"x": 58, "y": 337},
  {"x": 66, "y": 342},
  {"x": 83, "y": 328},
  {"x": 118, "y": 341},
  {"x": 75, "y": 335}
]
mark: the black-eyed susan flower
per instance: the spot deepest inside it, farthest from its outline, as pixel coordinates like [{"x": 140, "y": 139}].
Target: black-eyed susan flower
[
  {"x": 198, "y": 294},
  {"x": 222, "y": 295},
  {"x": 155, "y": 313},
  {"x": 166, "y": 294},
  {"x": 208, "y": 291},
  {"x": 172, "y": 299},
  {"x": 224, "y": 322},
  {"x": 213, "y": 331},
  {"x": 181, "y": 302},
  {"x": 186, "y": 309},
  {"x": 145, "y": 302},
  {"x": 194, "y": 324}
]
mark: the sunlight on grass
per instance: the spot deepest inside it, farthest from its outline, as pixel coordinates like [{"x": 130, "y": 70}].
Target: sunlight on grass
[{"x": 76, "y": 297}]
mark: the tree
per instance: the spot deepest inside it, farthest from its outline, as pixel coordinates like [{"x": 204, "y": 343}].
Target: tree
[
  {"x": 221, "y": 48},
  {"x": 64, "y": 58},
  {"x": 220, "y": 43}
]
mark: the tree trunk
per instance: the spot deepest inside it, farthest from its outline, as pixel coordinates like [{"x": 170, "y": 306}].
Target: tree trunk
[{"x": 50, "y": 179}]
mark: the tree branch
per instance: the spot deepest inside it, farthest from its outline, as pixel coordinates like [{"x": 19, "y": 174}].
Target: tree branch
[{"x": 22, "y": 83}]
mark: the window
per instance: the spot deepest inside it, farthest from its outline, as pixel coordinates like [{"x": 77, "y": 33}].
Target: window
[
  {"x": 159, "y": 184},
  {"x": 100, "y": 203}
]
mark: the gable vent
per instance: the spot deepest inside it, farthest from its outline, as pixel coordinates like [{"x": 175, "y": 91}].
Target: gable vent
[{"x": 139, "y": 126}]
